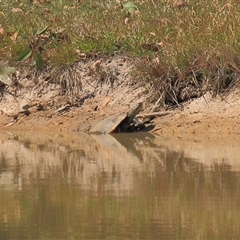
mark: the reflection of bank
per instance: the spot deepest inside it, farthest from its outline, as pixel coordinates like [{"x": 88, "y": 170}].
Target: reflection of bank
[
  {"x": 107, "y": 162},
  {"x": 89, "y": 162},
  {"x": 206, "y": 152},
  {"x": 8, "y": 181},
  {"x": 117, "y": 157}
]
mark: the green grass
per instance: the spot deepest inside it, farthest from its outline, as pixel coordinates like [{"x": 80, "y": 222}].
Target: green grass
[{"x": 199, "y": 41}]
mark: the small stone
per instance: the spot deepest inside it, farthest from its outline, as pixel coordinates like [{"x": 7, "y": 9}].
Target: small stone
[{"x": 39, "y": 107}]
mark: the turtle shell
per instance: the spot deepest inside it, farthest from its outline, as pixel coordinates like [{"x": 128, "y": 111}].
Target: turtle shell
[{"x": 108, "y": 125}]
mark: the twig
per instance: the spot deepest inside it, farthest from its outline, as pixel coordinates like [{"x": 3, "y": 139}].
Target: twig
[
  {"x": 155, "y": 105},
  {"x": 155, "y": 114}
]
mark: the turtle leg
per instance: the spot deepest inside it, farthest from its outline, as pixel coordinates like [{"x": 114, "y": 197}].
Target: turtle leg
[
  {"x": 134, "y": 126},
  {"x": 138, "y": 124}
]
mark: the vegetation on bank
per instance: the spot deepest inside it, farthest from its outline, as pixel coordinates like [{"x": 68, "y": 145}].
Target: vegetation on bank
[{"x": 182, "y": 48}]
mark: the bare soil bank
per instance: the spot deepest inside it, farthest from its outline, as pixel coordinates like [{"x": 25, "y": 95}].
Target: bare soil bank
[{"x": 75, "y": 99}]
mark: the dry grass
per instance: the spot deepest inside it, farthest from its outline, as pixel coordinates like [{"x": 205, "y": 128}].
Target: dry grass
[{"x": 195, "y": 42}]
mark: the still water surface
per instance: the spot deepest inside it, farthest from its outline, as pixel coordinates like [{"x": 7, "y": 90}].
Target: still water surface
[{"x": 124, "y": 187}]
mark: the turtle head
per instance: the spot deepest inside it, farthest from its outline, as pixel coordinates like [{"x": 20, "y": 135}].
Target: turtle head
[{"x": 135, "y": 110}]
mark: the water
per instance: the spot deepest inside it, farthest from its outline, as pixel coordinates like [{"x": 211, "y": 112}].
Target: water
[{"x": 124, "y": 187}]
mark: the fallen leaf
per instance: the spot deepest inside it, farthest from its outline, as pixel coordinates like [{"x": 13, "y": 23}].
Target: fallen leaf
[
  {"x": 228, "y": 6},
  {"x": 80, "y": 54},
  {"x": 46, "y": 11},
  {"x": 126, "y": 20},
  {"x": 179, "y": 4},
  {"x": 38, "y": 2},
  {"x": 137, "y": 12},
  {"x": 164, "y": 21},
  {"x": 68, "y": 8},
  {"x": 96, "y": 65},
  {"x": 14, "y": 36},
  {"x": 160, "y": 44},
  {"x": 2, "y": 31},
  {"x": 156, "y": 61},
  {"x": 77, "y": 51},
  {"x": 17, "y": 10},
  {"x": 35, "y": 2}
]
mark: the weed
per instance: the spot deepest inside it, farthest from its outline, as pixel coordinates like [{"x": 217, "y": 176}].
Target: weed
[
  {"x": 194, "y": 40},
  {"x": 33, "y": 53}
]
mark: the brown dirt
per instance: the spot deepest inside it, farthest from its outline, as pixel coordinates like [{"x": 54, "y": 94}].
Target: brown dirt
[{"x": 105, "y": 87}]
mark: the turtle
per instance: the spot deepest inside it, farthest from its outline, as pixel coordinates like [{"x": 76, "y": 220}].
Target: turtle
[{"x": 118, "y": 123}]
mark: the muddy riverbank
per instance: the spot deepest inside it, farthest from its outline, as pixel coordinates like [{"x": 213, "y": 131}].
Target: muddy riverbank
[{"x": 99, "y": 88}]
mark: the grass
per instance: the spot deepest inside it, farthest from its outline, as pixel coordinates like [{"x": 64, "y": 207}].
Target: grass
[{"x": 195, "y": 42}]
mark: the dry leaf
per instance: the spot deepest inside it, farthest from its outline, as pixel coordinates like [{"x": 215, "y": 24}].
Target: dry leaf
[
  {"x": 80, "y": 54},
  {"x": 17, "y": 10},
  {"x": 156, "y": 61},
  {"x": 126, "y": 20},
  {"x": 46, "y": 11},
  {"x": 164, "y": 21},
  {"x": 77, "y": 51},
  {"x": 179, "y": 4},
  {"x": 2, "y": 31},
  {"x": 160, "y": 44},
  {"x": 35, "y": 2},
  {"x": 38, "y": 2},
  {"x": 137, "y": 12},
  {"x": 228, "y": 6},
  {"x": 69, "y": 8},
  {"x": 27, "y": 13},
  {"x": 96, "y": 65},
  {"x": 14, "y": 37}
]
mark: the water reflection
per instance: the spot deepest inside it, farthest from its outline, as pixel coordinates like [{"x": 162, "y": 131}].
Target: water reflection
[{"x": 126, "y": 186}]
